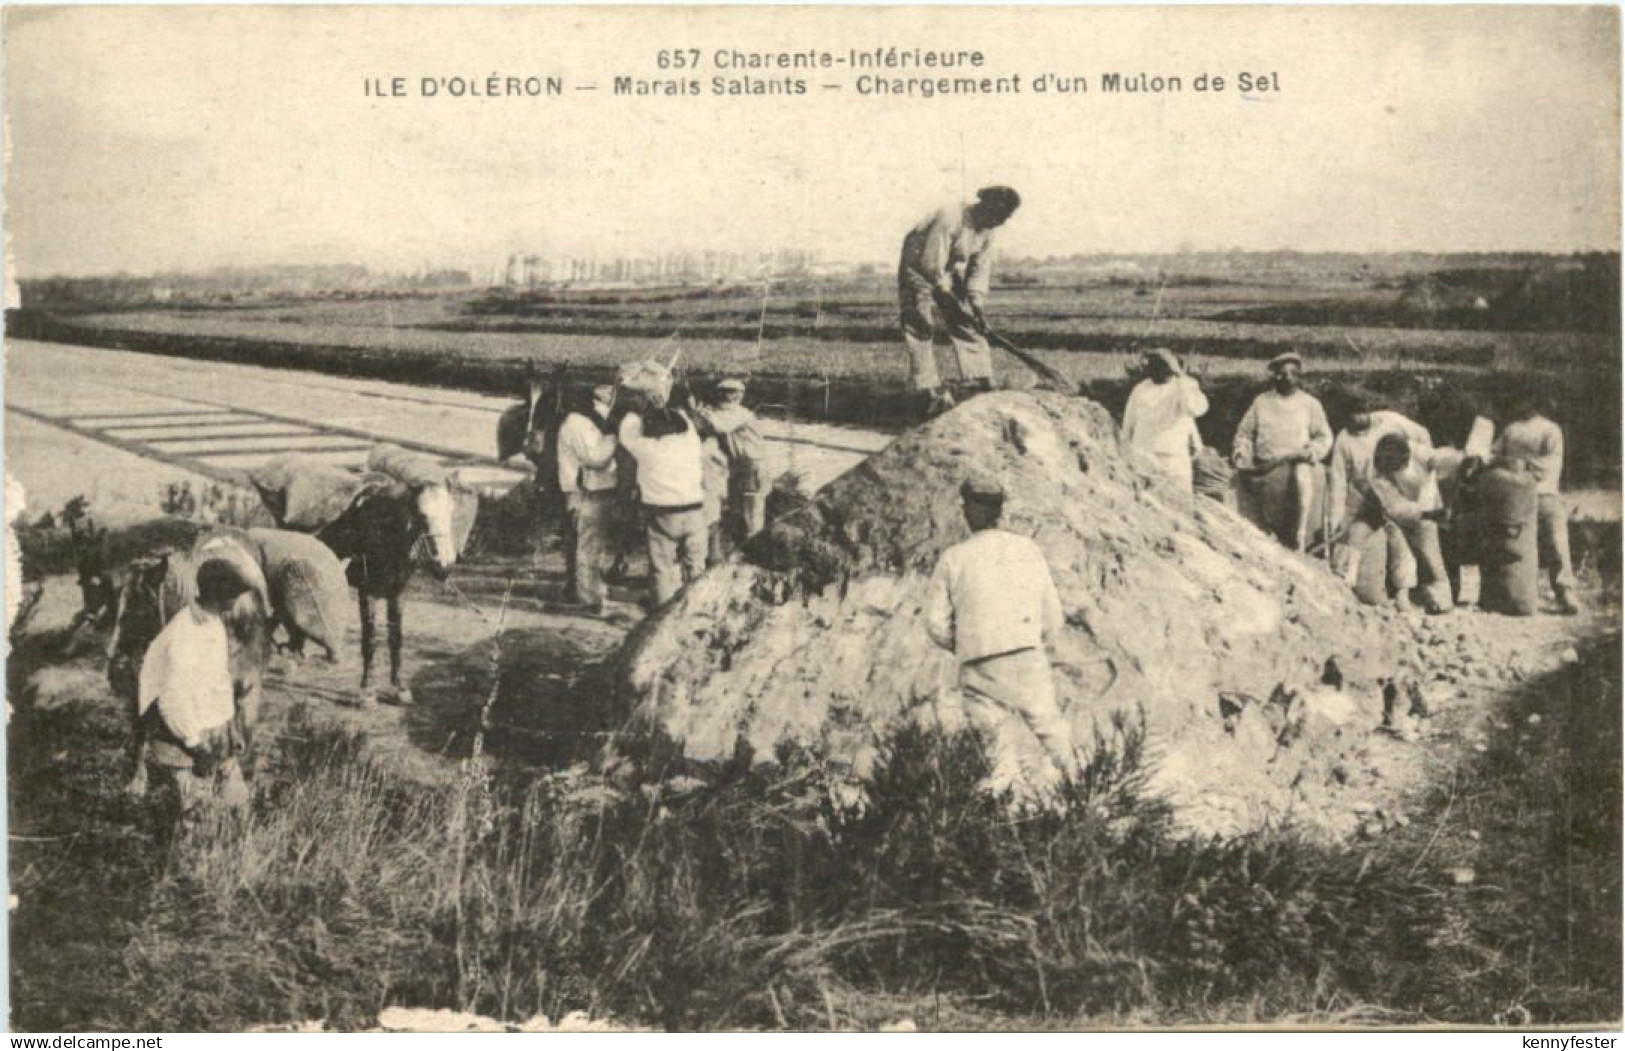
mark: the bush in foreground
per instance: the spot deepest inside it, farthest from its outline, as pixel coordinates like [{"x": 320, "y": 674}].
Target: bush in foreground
[{"x": 754, "y": 896}]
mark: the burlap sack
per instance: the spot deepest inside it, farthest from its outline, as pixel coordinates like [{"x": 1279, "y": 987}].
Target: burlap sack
[
  {"x": 648, "y": 378},
  {"x": 236, "y": 547},
  {"x": 302, "y": 493},
  {"x": 414, "y": 469},
  {"x": 308, "y": 588},
  {"x": 1211, "y": 476}
]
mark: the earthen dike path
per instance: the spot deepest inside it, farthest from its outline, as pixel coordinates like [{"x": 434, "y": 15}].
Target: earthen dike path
[{"x": 219, "y": 419}]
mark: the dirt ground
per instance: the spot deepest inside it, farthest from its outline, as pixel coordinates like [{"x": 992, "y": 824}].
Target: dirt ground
[{"x": 544, "y": 713}]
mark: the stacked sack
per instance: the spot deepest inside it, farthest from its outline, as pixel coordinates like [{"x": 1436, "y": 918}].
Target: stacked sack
[
  {"x": 415, "y": 470},
  {"x": 647, "y": 378},
  {"x": 308, "y": 590},
  {"x": 298, "y": 578},
  {"x": 303, "y": 493}
]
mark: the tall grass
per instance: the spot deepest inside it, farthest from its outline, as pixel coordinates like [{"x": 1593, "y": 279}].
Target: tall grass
[{"x": 754, "y": 895}]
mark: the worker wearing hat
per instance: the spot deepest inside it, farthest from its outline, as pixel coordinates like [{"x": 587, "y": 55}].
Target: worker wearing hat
[
  {"x": 1159, "y": 421},
  {"x": 740, "y": 437},
  {"x": 994, "y": 605},
  {"x": 946, "y": 266},
  {"x": 587, "y": 478},
  {"x": 670, "y": 455},
  {"x": 1278, "y": 445}
]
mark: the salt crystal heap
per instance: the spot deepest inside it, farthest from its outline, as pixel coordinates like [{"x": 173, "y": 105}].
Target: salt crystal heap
[{"x": 817, "y": 635}]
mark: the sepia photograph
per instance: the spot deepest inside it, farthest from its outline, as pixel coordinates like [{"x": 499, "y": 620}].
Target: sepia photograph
[{"x": 846, "y": 518}]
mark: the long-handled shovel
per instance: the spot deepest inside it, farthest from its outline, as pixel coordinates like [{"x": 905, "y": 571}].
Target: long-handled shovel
[
  {"x": 1054, "y": 379},
  {"x": 1050, "y": 376}
]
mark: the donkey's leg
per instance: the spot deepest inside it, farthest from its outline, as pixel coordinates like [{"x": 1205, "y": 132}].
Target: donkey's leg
[
  {"x": 250, "y": 696},
  {"x": 393, "y": 611},
  {"x": 137, "y": 785},
  {"x": 124, "y": 678},
  {"x": 296, "y": 639},
  {"x": 369, "y": 696}
]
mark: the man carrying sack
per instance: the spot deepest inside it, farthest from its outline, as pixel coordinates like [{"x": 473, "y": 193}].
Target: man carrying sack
[{"x": 1278, "y": 445}]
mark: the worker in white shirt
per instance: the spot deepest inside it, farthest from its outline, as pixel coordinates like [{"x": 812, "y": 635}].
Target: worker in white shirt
[
  {"x": 1277, "y": 445},
  {"x": 1159, "y": 421},
  {"x": 1405, "y": 491},
  {"x": 1353, "y": 511},
  {"x": 994, "y": 604},
  {"x": 671, "y": 485},
  {"x": 587, "y": 478},
  {"x": 1537, "y": 443},
  {"x": 946, "y": 264}
]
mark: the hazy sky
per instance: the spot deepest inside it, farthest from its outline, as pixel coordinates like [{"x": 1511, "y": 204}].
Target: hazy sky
[{"x": 147, "y": 138}]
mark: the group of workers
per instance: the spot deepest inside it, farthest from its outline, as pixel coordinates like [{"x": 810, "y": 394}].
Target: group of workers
[
  {"x": 993, "y": 603},
  {"x": 1385, "y": 474},
  {"x": 691, "y": 474}
]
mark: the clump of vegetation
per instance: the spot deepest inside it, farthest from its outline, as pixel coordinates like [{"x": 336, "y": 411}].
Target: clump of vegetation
[
  {"x": 69, "y": 539},
  {"x": 215, "y": 504},
  {"x": 757, "y": 895}
]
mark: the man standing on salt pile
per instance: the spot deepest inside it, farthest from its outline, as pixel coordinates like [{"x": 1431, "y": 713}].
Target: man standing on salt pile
[
  {"x": 671, "y": 482},
  {"x": 1537, "y": 443},
  {"x": 1354, "y": 508},
  {"x": 587, "y": 478},
  {"x": 994, "y": 604},
  {"x": 1159, "y": 421},
  {"x": 1279, "y": 442},
  {"x": 947, "y": 263}
]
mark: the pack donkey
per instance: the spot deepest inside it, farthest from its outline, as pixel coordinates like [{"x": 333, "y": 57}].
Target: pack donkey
[{"x": 404, "y": 513}]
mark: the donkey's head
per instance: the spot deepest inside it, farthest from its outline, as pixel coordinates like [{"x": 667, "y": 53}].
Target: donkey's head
[
  {"x": 440, "y": 521},
  {"x": 141, "y": 607}
]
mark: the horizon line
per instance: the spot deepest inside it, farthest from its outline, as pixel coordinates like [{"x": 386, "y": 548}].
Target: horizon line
[{"x": 1013, "y": 260}]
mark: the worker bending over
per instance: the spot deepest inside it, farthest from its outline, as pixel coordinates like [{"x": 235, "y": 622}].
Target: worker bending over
[
  {"x": 1355, "y": 511},
  {"x": 994, "y": 605},
  {"x": 1405, "y": 487},
  {"x": 947, "y": 265},
  {"x": 1277, "y": 445}
]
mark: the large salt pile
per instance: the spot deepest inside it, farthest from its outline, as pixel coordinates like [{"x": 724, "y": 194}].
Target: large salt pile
[{"x": 818, "y": 634}]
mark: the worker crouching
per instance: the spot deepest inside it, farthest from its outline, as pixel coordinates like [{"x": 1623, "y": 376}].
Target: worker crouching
[
  {"x": 994, "y": 605},
  {"x": 1406, "y": 488}
]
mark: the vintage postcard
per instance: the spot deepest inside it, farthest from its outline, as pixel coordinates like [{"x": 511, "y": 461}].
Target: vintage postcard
[{"x": 548, "y": 519}]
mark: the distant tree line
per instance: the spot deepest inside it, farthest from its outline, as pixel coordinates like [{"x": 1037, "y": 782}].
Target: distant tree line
[{"x": 230, "y": 284}]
